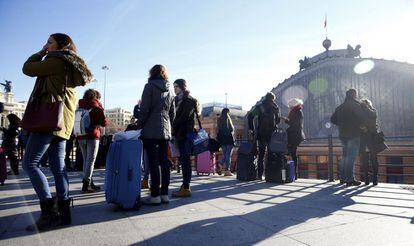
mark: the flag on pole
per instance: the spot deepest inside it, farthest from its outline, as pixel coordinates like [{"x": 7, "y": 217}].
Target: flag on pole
[{"x": 325, "y": 23}]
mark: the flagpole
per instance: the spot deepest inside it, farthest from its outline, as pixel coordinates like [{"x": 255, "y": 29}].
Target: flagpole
[{"x": 326, "y": 26}]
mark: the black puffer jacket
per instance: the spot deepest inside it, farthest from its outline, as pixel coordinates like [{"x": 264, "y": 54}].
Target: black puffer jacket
[
  {"x": 349, "y": 118},
  {"x": 268, "y": 117},
  {"x": 157, "y": 110},
  {"x": 184, "y": 120},
  {"x": 10, "y": 139}
]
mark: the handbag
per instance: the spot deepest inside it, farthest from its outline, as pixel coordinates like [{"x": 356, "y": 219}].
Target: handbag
[
  {"x": 44, "y": 117},
  {"x": 200, "y": 139},
  {"x": 379, "y": 144}
]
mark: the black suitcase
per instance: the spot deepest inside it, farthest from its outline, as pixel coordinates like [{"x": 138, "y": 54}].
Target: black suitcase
[
  {"x": 275, "y": 170},
  {"x": 246, "y": 162}
]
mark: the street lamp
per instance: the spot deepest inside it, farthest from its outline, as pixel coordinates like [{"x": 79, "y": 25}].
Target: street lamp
[{"x": 105, "y": 68}]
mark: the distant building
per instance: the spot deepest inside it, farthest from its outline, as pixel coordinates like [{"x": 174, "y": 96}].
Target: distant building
[
  {"x": 211, "y": 113},
  {"x": 10, "y": 106},
  {"x": 118, "y": 119}
]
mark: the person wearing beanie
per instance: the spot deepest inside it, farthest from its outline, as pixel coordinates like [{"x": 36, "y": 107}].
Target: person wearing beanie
[
  {"x": 187, "y": 107},
  {"x": 295, "y": 130}
]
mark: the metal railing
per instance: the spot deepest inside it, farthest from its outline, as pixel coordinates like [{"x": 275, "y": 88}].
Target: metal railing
[{"x": 327, "y": 170}]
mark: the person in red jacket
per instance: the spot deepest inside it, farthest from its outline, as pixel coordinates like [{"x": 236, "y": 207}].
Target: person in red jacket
[{"x": 89, "y": 144}]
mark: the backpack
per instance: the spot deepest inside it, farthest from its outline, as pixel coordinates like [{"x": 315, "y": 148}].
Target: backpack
[{"x": 82, "y": 122}]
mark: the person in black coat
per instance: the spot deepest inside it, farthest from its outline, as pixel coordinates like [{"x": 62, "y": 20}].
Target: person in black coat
[
  {"x": 349, "y": 118},
  {"x": 295, "y": 129},
  {"x": 10, "y": 142},
  {"x": 187, "y": 108},
  {"x": 367, "y": 152}
]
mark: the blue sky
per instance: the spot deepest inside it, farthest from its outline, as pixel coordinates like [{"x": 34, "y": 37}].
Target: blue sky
[{"x": 244, "y": 48}]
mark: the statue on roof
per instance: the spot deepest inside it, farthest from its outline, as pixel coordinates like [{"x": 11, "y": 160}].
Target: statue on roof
[
  {"x": 303, "y": 64},
  {"x": 353, "y": 53},
  {"x": 7, "y": 86}
]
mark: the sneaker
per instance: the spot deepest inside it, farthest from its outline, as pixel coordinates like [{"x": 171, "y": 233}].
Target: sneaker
[
  {"x": 353, "y": 183},
  {"x": 341, "y": 181},
  {"x": 165, "y": 199},
  {"x": 152, "y": 201},
  {"x": 182, "y": 192},
  {"x": 228, "y": 173},
  {"x": 375, "y": 183},
  {"x": 144, "y": 184}
]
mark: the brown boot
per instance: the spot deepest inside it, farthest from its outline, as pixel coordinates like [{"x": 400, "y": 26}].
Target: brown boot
[
  {"x": 182, "y": 192},
  {"x": 144, "y": 184}
]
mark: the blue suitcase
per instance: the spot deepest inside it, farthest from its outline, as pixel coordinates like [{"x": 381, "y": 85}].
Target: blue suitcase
[
  {"x": 290, "y": 172},
  {"x": 123, "y": 174}
]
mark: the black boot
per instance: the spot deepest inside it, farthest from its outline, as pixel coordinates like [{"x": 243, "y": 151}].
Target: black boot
[
  {"x": 85, "y": 185},
  {"x": 94, "y": 187},
  {"x": 64, "y": 211},
  {"x": 48, "y": 218}
]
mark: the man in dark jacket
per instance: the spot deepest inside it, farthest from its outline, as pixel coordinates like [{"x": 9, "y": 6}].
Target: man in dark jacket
[
  {"x": 268, "y": 117},
  {"x": 154, "y": 118},
  {"x": 187, "y": 107},
  {"x": 349, "y": 118}
]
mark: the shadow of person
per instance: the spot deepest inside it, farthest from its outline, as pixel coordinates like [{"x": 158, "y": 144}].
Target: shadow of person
[{"x": 284, "y": 211}]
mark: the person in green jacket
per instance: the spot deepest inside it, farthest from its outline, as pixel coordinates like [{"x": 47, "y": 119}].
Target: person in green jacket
[{"x": 54, "y": 65}]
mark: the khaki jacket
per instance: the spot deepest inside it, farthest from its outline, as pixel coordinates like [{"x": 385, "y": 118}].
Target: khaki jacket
[{"x": 51, "y": 76}]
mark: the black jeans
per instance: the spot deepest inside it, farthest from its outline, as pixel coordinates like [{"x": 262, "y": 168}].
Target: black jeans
[
  {"x": 368, "y": 156},
  {"x": 263, "y": 145},
  {"x": 156, "y": 150},
  {"x": 185, "y": 151}
]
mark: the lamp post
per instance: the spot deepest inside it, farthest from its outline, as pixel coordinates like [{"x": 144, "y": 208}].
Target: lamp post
[{"x": 105, "y": 68}]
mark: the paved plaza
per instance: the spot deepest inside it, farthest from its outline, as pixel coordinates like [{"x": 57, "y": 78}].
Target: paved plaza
[{"x": 222, "y": 211}]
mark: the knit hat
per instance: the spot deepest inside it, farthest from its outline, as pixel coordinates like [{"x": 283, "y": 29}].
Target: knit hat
[
  {"x": 181, "y": 83},
  {"x": 294, "y": 102}
]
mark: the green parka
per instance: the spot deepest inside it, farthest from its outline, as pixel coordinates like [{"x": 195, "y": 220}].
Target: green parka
[{"x": 51, "y": 74}]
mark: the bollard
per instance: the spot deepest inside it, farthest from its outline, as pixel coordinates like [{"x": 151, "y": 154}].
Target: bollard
[{"x": 330, "y": 159}]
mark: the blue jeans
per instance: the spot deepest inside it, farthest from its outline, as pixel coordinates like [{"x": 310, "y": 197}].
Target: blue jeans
[
  {"x": 350, "y": 149},
  {"x": 37, "y": 145},
  {"x": 227, "y": 151},
  {"x": 185, "y": 151}
]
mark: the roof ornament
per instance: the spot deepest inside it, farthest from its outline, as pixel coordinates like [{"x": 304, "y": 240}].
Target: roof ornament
[{"x": 353, "y": 53}]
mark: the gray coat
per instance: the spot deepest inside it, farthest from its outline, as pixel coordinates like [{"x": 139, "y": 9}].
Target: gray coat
[{"x": 157, "y": 110}]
